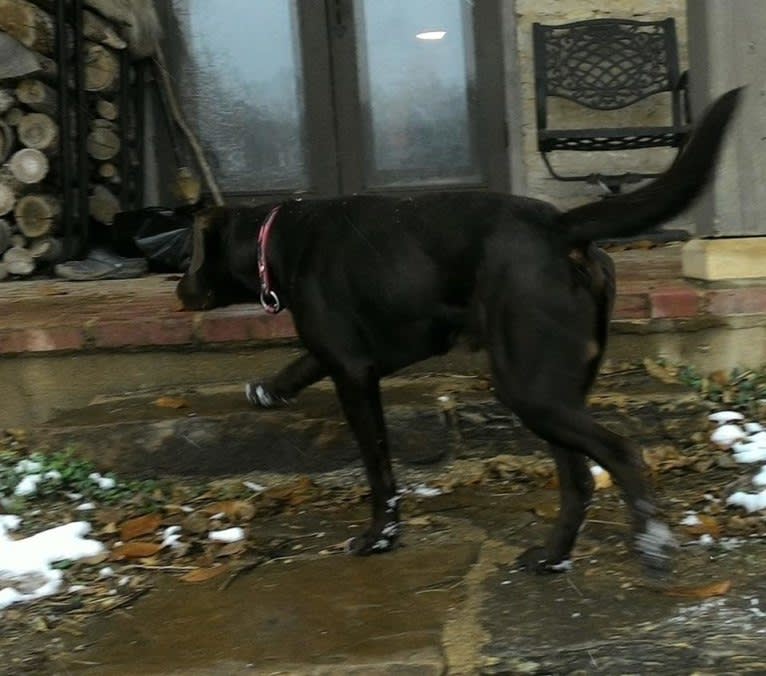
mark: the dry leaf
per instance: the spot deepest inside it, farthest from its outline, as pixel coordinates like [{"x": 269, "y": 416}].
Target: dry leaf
[
  {"x": 703, "y": 592},
  {"x": 135, "y": 550},
  {"x": 204, "y": 574},
  {"x": 295, "y": 493},
  {"x": 196, "y": 523},
  {"x": 707, "y": 526},
  {"x": 420, "y": 521},
  {"x": 664, "y": 374},
  {"x": 109, "y": 529},
  {"x": 235, "y": 510},
  {"x": 231, "y": 549},
  {"x": 602, "y": 480},
  {"x": 546, "y": 511},
  {"x": 720, "y": 378},
  {"x": 171, "y": 402},
  {"x": 141, "y": 525}
]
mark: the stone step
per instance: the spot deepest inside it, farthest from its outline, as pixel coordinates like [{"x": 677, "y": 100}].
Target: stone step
[{"x": 213, "y": 431}]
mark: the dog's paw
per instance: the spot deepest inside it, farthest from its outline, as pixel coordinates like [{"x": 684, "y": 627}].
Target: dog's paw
[
  {"x": 259, "y": 396},
  {"x": 656, "y": 546},
  {"x": 375, "y": 541},
  {"x": 535, "y": 560}
]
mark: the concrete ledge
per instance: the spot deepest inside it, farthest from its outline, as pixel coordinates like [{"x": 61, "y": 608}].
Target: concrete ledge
[{"x": 719, "y": 259}]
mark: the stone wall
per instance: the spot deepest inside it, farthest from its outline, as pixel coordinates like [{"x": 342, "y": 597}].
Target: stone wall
[{"x": 535, "y": 179}]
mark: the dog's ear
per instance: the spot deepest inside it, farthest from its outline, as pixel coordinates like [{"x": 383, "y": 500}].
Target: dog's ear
[{"x": 196, "y": 290}]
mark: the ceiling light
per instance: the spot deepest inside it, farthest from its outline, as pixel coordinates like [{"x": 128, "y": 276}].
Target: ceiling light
[{"x": 431, "y": 35}]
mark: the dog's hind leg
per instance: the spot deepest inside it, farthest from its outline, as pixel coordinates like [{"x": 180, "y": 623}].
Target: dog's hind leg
[
  {"x": 572, "y": 427},
  {"x": 576, "y": 490},
  {"x": 541, "y": 370},
  {"x": 286, "y": 384}
]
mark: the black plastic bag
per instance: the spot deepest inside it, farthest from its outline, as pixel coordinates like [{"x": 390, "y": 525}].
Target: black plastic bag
[{"x": 162, "y": 236}]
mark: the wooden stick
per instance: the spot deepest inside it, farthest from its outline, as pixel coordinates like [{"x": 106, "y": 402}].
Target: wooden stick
[{"x": 175, "y": 110}]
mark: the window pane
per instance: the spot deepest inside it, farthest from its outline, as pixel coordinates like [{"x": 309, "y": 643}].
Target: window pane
[
  {"x": 242, "y": 87},
  {"x": 417, "y": 92}
]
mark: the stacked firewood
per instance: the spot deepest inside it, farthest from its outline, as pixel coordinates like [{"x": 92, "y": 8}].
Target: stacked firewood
[{"x": 30, "y": 183}]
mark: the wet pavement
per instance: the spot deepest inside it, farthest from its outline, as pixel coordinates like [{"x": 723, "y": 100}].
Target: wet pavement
[{"x": 449, "y": 600}]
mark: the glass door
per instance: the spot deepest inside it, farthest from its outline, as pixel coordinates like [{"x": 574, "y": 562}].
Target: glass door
[
  {"x": 330, "y": 97},
  {"x": 417, "y": 92}
]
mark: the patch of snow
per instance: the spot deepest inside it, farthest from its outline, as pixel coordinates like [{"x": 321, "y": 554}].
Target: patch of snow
[
  {"x": 423, "y": 491},
  {"x": 220, "y": 515},
  {"x": 227, "y": 535},
  {"x": 748, "y": 453},
  {"x": 760, "y": 478},
  {"x": 106, "y": 571},
  {"x": 753, "y": 428},
  {"x": 727, "y": 435},
  {"x": 86, "y": 506},
  {"x": 8, "y": 522},
  {"x": 27, "y": 466},
  {"x": 256, "y": 488},
  {"x": 25, "y": 565},
  {"x": 691, "y": 519},
  {"x": 105, "y": 483},
  {"x": 28, "y": 485},
  {"x": 52, "y": 474},
  {"x": 721, "y": 417},
  {"x": 171, "y": 536},
  {"x": 752, "y": 502}
]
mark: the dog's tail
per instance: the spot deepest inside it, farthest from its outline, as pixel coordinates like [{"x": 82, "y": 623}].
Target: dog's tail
[{"x": 666, "y": 196}]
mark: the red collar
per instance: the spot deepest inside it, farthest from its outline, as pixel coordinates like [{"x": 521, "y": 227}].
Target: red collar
[{"x": 269, "y": 298}]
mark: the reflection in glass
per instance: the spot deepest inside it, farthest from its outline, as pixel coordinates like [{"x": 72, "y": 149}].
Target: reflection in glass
[
  {"x": 242, "y": 90},
  {"x": 416, "y": 90}
]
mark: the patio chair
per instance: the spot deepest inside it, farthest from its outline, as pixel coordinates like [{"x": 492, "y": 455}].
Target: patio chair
[{"x": 609, "y": 64}]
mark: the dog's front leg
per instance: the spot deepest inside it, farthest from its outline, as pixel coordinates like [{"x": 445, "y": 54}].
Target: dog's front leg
[
  {"x": 576, "y": 491},
  {"x": 297, "y": 375},
  {"x": 359, "y": 394}
]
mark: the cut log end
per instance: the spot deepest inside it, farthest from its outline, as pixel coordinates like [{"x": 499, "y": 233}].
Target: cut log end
[
  {"x": 104, "y": 205},
  {"x": 39, "y": 131},
  {"x": 102, "y": 144},
  {"x": 37, "y": 214},
  {"x": 19, "y": 261},
  {"x": 29, "y": 165}
]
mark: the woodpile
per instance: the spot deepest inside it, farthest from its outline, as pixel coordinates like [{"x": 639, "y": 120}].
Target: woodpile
[{"x": 31, "y": 163}]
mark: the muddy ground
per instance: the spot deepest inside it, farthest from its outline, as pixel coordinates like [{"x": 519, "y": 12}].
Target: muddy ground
[{"x": 449, "y": 600}]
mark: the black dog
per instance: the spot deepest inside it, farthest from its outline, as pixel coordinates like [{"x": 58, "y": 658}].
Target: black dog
[{"x": 375, "y": 283}]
